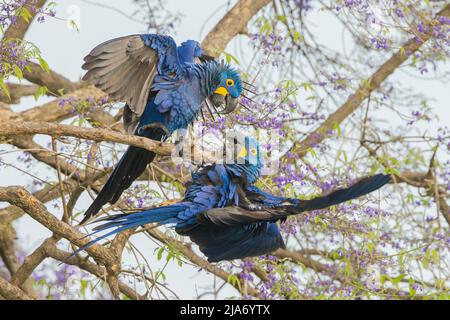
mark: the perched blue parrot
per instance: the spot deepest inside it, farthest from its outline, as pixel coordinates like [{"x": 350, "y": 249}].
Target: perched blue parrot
[
  {"x": 164, "y": 88},
  {"x": 226, "y": 215}
]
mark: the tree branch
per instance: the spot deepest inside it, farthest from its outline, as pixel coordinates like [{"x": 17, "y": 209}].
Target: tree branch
[
  {"x": 364, "y": 90},
  {"x": 233, "y": 23}
]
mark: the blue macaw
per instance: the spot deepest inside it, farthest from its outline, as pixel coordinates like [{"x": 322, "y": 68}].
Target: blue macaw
[
  {"x": 226, "y": 215},
  {"x": 164, "y": 87}
]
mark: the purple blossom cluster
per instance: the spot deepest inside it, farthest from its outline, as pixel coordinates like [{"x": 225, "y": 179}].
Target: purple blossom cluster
[
  {"x": 268, "y": 43},
  {"x": 290, "y": 174},
  {"x": 359, "y": 5},
  {"x": 81, "y": 108},
  {"x": 380, "y": 43},
  {"x": 9, "y": 11},
  {"x": 139, "y": 196},
  {"x": 12, "y": 53}
]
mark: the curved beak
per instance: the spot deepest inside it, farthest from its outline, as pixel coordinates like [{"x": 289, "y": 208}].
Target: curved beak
[
  {"x": 224, "y": 104},
  {"x": 230, "y": 105}
]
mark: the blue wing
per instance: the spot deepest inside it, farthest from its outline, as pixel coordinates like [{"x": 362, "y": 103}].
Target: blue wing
[
  {"x": 166, "y": 49},
  {"x": 227, "y": 243},
  {"x": 268, "y": 200},
  {"x": 180, "y": 99},
  {"x": 125, "y": 67}
]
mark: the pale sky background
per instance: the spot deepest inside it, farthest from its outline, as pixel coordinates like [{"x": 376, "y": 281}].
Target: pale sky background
[{"x": 64, "y": 50}]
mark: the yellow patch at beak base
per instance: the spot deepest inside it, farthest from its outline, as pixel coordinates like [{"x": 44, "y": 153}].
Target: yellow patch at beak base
[
  {"x": 221, "y": 90},
  {"x": 242, "y": 153}
]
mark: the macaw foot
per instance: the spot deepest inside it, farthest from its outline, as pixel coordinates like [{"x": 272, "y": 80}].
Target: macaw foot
[
  {"x": 153, "y": 127},
  {"x": 167, "y": 203},
  {"x": 253, "y": 207}
]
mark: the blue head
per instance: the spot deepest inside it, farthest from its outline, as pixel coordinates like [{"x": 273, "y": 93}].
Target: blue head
[
  {"x": 189, "y": 50},
  {"x": 229, "y": 89},
  {"x": 230, "y": 82}
]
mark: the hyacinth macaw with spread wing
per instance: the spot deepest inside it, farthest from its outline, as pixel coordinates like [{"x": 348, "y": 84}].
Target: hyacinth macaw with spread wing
[
  {"x": 164, "y": 87},
  {"x": 226, "y": 215}
]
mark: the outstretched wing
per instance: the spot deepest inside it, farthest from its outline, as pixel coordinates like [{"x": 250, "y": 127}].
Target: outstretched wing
[
  {"x": 125, "y": 67},
  {"x": 278, "y": 208},
  {"x": 234, "y": 216},
  {"x": 236, "y": 242}
]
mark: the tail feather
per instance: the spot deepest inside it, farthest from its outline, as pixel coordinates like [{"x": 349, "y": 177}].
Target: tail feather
[
  {"x": 130, "y": 167},
  {"x": 359, "y": 189},
  {"x": 158, "y": 214},
  {"x": 122, "y": 222}
]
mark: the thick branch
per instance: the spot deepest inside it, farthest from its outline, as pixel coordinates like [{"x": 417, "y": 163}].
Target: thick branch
[
  {"x": 52, "y": 80},
  {"x": 18, "y": 196},
  {"x": 233, "y": 23},
  {"x": 10, "y": 292},
  {"x": 57, "y": 130},
  {"x": 17, "y": 91},
  {"x": 14, "y": 128}
]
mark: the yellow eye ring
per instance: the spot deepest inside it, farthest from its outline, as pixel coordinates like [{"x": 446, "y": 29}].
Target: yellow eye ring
[
  {"x": 253, "y": 151},
  {"x": 230, "y": 82}
]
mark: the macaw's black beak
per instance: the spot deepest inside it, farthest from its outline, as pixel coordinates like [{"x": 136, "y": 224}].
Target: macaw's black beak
[
  {"x": 224, "y": 104},
  {"x": 230, "y": 105}
]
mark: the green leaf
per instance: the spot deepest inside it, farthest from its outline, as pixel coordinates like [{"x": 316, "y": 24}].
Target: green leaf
[
  {"x": 24, "y": 13},
  {"x": 169, "y": 256},
  {"x": 296, "y": 36},
  {"x": 84, "y": 285},
  {"x": 426, "y": 259},
  {"x": 282, "y": 18},
  {"x": 18, "y": 73},
  {"x": 42, "y": 91},
  {"x": 44, "y": 64},
  {"x": 229, "y": 57},
  {"x": 234, "y": 280},
  {"x": 307, "y": 86},
  {"x": 435, "y": 255},
  {"x": 398, "y": 279},
  {"x": 401, "y": 261},
  {"x": 313, "y": 152},
  {"x": 73, "y": 25},
  {"x": 5, "y": 89},
  {"x": 159, "y": 254},
  {"x": 370, "y": 248}
]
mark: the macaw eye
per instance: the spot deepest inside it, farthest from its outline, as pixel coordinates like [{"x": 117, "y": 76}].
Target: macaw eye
[
  {"x": 230, "y": 82},
  {"x": 253, "y": 151}
]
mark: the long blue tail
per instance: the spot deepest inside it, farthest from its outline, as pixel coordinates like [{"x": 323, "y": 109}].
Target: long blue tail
[
  {"x": 130, "y": 167},
  {"x": 359, "y": 189},
  {"x": 122, "y": 222}
]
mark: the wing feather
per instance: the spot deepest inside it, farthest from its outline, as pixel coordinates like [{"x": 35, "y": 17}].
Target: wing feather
[{"x": 124, "y": 68}]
